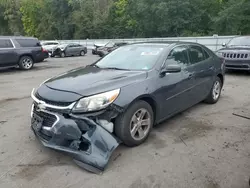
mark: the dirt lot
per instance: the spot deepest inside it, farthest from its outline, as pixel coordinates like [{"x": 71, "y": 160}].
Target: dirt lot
[{"x": 204, "y": 147}]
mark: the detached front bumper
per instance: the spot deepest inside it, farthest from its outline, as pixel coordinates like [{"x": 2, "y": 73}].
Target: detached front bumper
[{"x": 87, "y": 142}]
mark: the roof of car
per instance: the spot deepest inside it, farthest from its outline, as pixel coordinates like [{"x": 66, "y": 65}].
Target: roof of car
[{"x": 16, "y": 37}]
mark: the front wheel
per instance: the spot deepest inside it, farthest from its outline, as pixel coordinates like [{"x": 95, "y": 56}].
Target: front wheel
[
  {"x": 62, "y": 54},
  {"x": 215, "y": 92},
  {"x": 135, "y": 124}
]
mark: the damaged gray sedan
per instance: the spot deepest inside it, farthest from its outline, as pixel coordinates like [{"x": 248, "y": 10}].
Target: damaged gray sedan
[{"x": 88, "y": 111}]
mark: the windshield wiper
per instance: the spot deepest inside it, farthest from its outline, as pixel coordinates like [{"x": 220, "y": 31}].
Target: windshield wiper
[
  {"x": 114, "y": 68},
  {"x": 94, "y": 66}
]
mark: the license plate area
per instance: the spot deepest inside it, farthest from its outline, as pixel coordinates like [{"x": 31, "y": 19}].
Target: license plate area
[{"x": 36, "y": 122}]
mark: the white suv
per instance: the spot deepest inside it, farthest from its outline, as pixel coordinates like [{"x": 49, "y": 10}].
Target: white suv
[{"x": 49, "y": 45}]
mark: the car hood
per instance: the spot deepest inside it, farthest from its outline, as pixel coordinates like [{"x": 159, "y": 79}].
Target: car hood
[
  {"x": 235, "y": 48},
  {"x": 99, "y": 45},
  {"x": 49, "y": 47},
  {"x": 91, "y": 80}
]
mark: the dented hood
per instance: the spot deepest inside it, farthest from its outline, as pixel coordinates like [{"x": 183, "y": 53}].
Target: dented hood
[{"x": 91, "y": 80}]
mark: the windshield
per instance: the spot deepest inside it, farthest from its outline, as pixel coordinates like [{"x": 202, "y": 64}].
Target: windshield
[
  {"x": 109, "y": 44},
  {"x": 134, "y": 57},
  {"x": 240, "y": 41},
  {"x": 62, "y": 45}
]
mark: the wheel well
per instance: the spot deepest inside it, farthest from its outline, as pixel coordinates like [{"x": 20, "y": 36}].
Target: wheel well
[
  {"x": 26, "y": 55},
  {"x": 151, "y": 102},
  {"x": 221, "y": 78}
]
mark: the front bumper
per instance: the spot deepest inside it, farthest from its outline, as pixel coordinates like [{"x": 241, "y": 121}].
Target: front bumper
[
  {"x": 237, "y": 65},
  {"x": 82, "y": 138}
]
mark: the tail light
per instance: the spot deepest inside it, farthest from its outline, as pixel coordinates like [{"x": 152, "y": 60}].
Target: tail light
[{"x": 43, "y": 50}]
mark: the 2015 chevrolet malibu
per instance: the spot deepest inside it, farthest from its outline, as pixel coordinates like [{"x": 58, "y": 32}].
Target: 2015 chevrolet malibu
[{"x": 88, "y": 111}]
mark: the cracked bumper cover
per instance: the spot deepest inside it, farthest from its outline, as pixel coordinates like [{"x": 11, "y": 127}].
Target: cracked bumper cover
[{"x": 88, "y": 143}]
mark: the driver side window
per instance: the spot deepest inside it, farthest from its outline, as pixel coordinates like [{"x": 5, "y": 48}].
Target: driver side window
[{"x": 179, "y": 56}]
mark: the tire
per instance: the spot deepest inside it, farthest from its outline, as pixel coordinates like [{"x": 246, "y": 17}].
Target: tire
[
  {"x": 26, "y": 63},
  {"x": 214, "y": 95},
  {"x": 62, "y": 54},
  {"x": 128, "y": 121},
  {"x": 82, "y": 53}
]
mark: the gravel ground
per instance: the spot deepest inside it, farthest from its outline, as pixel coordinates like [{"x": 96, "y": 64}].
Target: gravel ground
[{"x": 204, "y": 147}]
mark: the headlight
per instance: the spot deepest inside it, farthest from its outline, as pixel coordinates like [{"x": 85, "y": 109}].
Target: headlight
[
  {"x": 96, "y": 102},
  {"x": 220, "y": 54}
]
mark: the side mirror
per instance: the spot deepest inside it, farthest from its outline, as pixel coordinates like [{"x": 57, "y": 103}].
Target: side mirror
[
  {"x": 171, "y": 69},
  {"x": 224, "y": 44}
]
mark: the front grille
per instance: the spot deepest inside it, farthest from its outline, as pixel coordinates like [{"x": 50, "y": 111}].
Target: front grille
[
  {"x": 55, "y": 103},
  {"x": 235, "y": 55},
  {"x": 48, "y": 119}
]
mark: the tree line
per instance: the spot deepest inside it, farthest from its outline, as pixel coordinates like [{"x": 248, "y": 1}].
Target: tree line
[{"x": 93, "y": 19}]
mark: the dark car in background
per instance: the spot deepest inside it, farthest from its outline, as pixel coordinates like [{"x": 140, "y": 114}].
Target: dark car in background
[
  {"x": 88, "y": 111},
  {"x": 236, "y": 53},
  {"x": 109, "y": 47},
  {"x": 64, "y": 50},
  {"x": 20, "y": 51}
]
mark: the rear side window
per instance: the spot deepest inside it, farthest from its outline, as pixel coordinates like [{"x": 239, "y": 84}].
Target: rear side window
[
  {"x": 28, "y": 42},
  {"x": 206, "y": 54},
  {"x": 196, "y": 54},
  {"x": 6, "y": 43}
]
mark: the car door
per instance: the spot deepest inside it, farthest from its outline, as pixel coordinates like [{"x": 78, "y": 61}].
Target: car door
[
  {"x": 203, "y": 72},
  {"x": 8, "y": 55},
  {"x": 78, "y": 49},
  {"x": 70, "y": 49},
  {"x": 174, "y": 89}
]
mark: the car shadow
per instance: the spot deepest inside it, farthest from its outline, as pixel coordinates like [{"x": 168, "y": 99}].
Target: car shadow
[
  {"x": 35, "y": 68},
  {"x": 237, "y": 73}
]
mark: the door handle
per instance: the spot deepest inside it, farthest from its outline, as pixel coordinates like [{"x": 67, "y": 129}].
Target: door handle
[{"x": 190, "y": 76}]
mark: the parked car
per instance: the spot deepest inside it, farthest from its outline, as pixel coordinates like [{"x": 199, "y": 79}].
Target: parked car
[
  {"x": 109, "y": 47},
  {"x": 95, "y": 48},
  {"x": 45, "y": 53},
  {"x": 49, "y": 45},
  {"x": 64, "y": 50},
  {"x": 86, "y": 112},
  {"x": 20, "y": 51},
  {"x": 236, "y": 53}
]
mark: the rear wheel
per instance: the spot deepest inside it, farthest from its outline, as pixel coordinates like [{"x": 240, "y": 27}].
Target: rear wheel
[
  {"x": 215, "y": 92},
  {"x": 134, "y": 125},
  {"x": 26, "y": 62},
  {"x": 82, "y": 53}
]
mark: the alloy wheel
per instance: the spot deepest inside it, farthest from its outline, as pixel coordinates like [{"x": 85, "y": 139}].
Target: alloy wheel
[
  {"x": 216, "y": 90},
  {"x": 27, "y": 63},
  {"x": 140, "y": 124}
]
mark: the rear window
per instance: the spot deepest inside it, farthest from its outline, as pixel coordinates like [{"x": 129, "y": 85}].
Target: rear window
[
  {"x": 28, "y": 42},
  {"x": 6, "y": 43},
  {"x": 50, "y": 43}
]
